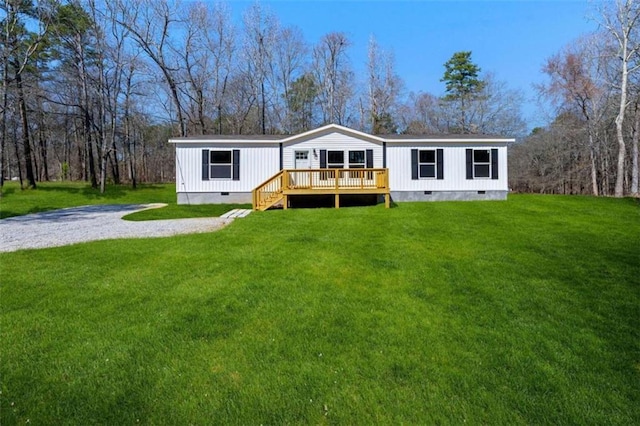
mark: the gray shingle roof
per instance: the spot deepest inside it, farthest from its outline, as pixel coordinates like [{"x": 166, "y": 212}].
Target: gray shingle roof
[{"x": 341, "y": 129}]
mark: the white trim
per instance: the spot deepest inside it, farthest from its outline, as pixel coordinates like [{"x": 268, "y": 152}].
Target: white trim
[
  {"x": 330, "y": 164},
  {"x": 434, "y": 163},
  {"x": 480, "y": 163},
  {"x": 229, "y": 165},
  {"x": 451, "y": 140},
  {"x": 364, "y": 159},
  {"x": 336, "y": 128},
  {"x": 207, "y": 141}
]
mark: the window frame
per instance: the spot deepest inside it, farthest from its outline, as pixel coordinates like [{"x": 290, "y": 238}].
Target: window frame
[
  {"x": 213, "y": 164},
  {"x": 359, "y": 165},
  {"x": 207, "y": 164},
  {"x": 475, "y": 163},
  {"x": 332, "y": 165},
  {"x": 433, "y": 163}
]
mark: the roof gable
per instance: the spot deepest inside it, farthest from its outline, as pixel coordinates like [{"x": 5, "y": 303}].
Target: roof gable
[{"x": 332, "y": 128}]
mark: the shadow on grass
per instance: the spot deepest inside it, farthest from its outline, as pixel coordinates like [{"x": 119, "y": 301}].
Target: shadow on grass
[
  {"x": 111, "y": 192},
  {"x": 7, "y": 191}
]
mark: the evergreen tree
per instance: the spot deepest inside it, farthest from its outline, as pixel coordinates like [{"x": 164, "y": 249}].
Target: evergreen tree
[{"x": 462, "y": 85}]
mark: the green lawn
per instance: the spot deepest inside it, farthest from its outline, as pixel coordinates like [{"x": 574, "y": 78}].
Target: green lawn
[
  {"x": 518, "y": 312},
  {"x": 56, "y": 195}
]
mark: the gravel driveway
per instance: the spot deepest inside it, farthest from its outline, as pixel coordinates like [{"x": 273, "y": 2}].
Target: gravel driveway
[{"x": 90, "y": 223}]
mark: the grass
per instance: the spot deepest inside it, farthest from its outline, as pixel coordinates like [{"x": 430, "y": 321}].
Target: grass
[
  {"x": 517, "y": 312},
  {"x": 57, "y": 195},
  {"x": 175, "y": 211}
]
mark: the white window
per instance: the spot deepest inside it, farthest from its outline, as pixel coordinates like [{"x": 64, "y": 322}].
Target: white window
[
  {"x": 427, "y": 164},
  {"x": 221, "y": 164},
  {"x": 335, "y": 159},
  {"x": 356, "y": 159},
  {"x": 481, "y": 163}
]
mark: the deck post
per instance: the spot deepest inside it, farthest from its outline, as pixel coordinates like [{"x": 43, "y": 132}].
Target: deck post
[
  {"x": 387, "y": 201},
  {"x": 285, "y": 201},
  {"x": 337, "y": 200}
]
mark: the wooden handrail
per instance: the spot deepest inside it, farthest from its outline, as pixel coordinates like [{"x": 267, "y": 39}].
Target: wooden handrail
[
  {"x": 336, "y": 179},
  {"x": 268, "y": 191},
  {"x": 309, "y": 181}
]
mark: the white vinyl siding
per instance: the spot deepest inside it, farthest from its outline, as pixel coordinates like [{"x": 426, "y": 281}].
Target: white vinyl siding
[
  {"x": 331, "y": 142},
  {"x": 454, "y": 167},
  {"x": 258, "y": 162}
]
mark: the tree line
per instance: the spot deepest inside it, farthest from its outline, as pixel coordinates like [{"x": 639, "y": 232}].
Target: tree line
[
  {"x": 92, "y": 90},
  {"x": 593, "y": 84}
]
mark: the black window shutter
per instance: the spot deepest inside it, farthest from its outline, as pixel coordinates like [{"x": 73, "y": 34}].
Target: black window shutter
[
  {"x": 439, "y": 156},
  {"x": 281, "y": 157},
  {"x": 384, "y": 155},
  {"x": 469, "y": 164},
  {"x": 369, "y": 163},
  {"x": 205, "y": 164},
  {"x": 414, "y": 164},
  {"x": 323, "y": 158},
  {"x": 236, "y": 164},
  {"x": 494, "y": 164}
]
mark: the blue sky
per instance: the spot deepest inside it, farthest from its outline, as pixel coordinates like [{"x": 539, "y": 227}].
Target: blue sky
[{"x": 512, "y": 39}]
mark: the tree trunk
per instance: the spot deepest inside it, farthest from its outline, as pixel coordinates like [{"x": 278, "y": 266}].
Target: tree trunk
[
  {"x": 592, "y": 162},
  {"x": 42, "y": 141},
  {"x": 264, "y": 115},
  {"x": 18, "y": 159},
  {"x": 3, "y": 123},
  {"x": 89, "y": 150},
  {"x": 634, "y": 153},
  {"x": 25, "y": 131}
]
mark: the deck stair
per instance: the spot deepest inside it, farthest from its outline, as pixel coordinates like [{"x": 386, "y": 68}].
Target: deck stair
[
  {"x": 286, "y": 183},
  {"x": 269, "y": 193}
]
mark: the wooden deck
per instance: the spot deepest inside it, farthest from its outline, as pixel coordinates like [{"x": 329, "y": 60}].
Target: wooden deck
[{"x": 286, "y": 183}]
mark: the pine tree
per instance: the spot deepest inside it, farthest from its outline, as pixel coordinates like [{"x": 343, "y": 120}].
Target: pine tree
[{"x": 462, "y": 84}]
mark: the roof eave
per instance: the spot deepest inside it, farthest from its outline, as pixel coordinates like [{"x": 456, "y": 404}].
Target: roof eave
[
  {"x": 225, "y": 141},
  {"x": 451, "y": 140},
  {"x": 335, "y": 127}
]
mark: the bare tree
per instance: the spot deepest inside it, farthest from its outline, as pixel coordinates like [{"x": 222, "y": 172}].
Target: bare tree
[
  {"x": 635, "y": 135},
  {"x": 333, "y": 74},
  {"x": 261, "y": 33},
  {"x": 497, "y": 109},
  {"x": 150, "y": 23},
  {"x": 221, "y": 42},
  {"x": 19, "y": 46},
  {"x": 289, "y": 59},
  {"x": 384, "y": 87},
  {"x": 422, "y": 114},
  {"x": 577, "y": 83},
  {"x": 622, "y": 23}
]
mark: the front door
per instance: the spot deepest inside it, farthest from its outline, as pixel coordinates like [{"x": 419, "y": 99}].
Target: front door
[
  {"x": 301, "y": 180},
  {"x": 302, "y": 160}
]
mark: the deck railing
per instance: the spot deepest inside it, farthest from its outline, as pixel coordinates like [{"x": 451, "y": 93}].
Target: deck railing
[
  {"x": 320, "y": 181},
  {"x": 350, "y": 179},
  {"x": 268, "y": 192}
]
